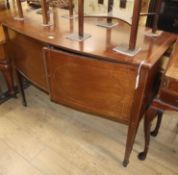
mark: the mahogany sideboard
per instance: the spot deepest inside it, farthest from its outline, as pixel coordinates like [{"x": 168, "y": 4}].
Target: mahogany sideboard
[{"x": 88, "y": 75}]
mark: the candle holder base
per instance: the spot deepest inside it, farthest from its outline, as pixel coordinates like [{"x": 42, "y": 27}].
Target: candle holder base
[
  {"x": 69, "y": 17},
  {"x": 47, "y": 25},
  {"x": 151, "y": 34},
  {"x": 107, "y": 24},
  {"x": 124, "y": 49},
  {"x": 19, "y": 18},
  {"x": 39, "y": 11},
  {"x": 76, "y": 37}
]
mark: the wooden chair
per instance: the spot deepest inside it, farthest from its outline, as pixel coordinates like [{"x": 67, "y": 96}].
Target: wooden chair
[
  {"x": 167, "y": 99},
  {"x": 5, "y": 66}
]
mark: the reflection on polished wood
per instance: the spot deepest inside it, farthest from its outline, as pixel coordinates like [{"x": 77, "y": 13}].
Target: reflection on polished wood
[
  {"x": 45, "y": 13},
  {"x": 133, "y": 14},
  {"x": 20, "y": 10},
  {"x": 32, "y": 28},
  {"x": 88, "y": 75}
]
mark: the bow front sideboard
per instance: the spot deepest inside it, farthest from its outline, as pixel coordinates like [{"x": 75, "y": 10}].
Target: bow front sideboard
[{"x": 88, "y": 76}]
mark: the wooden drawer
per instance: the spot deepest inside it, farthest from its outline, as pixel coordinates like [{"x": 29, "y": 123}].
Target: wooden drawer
[
  {"x": 28, "y": 58},
  {"x": 173, "y": 86},
  {"x": 91, "y": 85},
  {"x": 169, "y": 91},
  {"x": 170, "y": 84},
  {"x": 169, "y": 98}
]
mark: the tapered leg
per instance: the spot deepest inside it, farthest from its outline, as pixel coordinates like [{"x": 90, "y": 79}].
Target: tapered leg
[
  {"x": 21, "y": 88},
  {"x": 132, "y": 130},
  {"x": 158, "y": 124},
  {"x": 149, "y": 116}
]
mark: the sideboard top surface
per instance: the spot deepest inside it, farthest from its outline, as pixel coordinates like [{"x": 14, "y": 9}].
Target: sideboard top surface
[{"x": 101, "y": 42}]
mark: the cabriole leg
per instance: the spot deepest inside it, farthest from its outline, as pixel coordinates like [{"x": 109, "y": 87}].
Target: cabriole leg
[
  {"x": 158, "y": 124},
  {"x": 149, "y": 116}
]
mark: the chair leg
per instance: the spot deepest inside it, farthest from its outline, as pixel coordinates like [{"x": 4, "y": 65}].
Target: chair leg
[
  {"x": 149, "y": 116},
  {"x": 154, "y": 133},
  {"x": 21, "y": 88}
]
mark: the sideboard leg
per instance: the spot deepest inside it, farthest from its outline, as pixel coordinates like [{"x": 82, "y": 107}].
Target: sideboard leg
[
  {"x": 21, "y": 88},
  {"x": 158, "y": 124},
  {"x": 149, "y": 116},
  {"x": 132, "y": 130}
]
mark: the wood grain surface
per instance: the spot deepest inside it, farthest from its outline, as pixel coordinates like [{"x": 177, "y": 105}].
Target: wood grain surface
[{"x": 92, "y": 85}]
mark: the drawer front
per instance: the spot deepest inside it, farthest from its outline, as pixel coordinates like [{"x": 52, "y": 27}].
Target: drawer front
[
  {"x": 170, "y": 85},
  {"x": 169, "y": 98},
  {"x": 28, "y": 58},
  {"x": 91, "y": 85},
  {"x": 173, "y": 86},
  {"x": 169, "y": 91}
]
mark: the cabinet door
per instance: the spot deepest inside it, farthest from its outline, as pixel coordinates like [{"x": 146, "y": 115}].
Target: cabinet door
[
  {"x": 91, "y": 85},
  {"x": 28, "y": 58}
]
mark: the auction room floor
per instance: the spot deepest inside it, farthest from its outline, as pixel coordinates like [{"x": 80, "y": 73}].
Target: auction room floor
[{"x": 49, "y": 139}]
